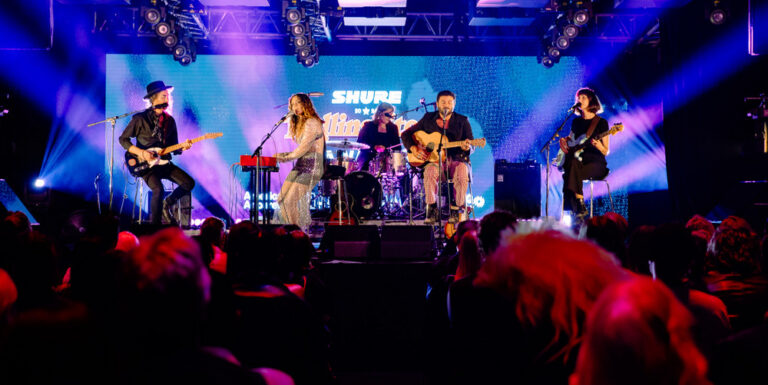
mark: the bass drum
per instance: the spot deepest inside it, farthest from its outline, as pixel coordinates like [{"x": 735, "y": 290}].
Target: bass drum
[{"x": 366, "y": 191}]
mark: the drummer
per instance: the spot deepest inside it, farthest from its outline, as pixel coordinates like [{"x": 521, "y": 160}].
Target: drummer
[{"x": 380, "y": 134}]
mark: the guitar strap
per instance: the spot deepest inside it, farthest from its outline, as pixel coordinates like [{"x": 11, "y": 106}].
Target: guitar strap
[{"x": 592, "y": 126}]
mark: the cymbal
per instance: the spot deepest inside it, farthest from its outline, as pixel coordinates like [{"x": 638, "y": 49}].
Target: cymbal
[{"x": 347, "y": 145}]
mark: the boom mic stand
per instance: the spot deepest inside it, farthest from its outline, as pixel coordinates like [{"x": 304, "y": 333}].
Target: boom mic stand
[
  {"x": 113, "y": 120},
  {"x": 546, "y": 147},
  {"x": 255, "y": 178}
]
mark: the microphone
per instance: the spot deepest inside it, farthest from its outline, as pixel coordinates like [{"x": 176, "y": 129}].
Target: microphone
[
  {"x": 162, "y": 105},
  {"x": 444, "y": 112},
  {"x": 423, "y": 104},
  {"x": 315, "y": 94},
  {"x": 285, "y": 117},
  {"x": 575, "y": 106}
]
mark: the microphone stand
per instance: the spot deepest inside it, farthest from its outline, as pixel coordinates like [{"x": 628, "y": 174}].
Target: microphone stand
[
  {"x": 551, "y": 140},
  {"x": 424, "y": 106},
  {"x": 113, "y": 120},
  {"x": 441, "y": 235},
  {"x": 255, "y": 177}
]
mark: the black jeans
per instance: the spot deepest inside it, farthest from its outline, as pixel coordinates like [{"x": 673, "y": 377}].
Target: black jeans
[
  {"x": 154, "y": 180},
  {"x": 574, "y": 175}
]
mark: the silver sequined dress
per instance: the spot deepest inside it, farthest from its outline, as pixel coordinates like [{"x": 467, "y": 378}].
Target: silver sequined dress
[{"x": 307, "y": 170}]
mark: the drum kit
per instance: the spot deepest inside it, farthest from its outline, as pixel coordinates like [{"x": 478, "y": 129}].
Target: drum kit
[{"x": 388, "y": 190}]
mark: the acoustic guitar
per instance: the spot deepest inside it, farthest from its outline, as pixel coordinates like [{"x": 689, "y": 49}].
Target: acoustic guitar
[{"x": 426, "y": 144}]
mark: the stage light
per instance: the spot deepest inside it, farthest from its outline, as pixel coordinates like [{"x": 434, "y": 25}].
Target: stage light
[
  {"x": 562, "y": 42},
  {"x": 163, "y": 29},
  {"x": 293, "y": 15},
  {"x": 571, "y": 31},
  {"x": 717, "y": 13},
  {"x": 581, "y": 17},
  {"x": 298, "y": 30},
  {"x": 300, "y": 42},
  {"x": 553, "y": 52},
  {"x": 39, "y": 183},
  {"x": 170, "y": 41},
  {"x": 152, "y": 16},
  {"x": 547, "y": 62},
  {"x": 179, "y": 51}
]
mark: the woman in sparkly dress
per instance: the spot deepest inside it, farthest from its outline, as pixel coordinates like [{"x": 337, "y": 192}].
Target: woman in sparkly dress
[{"x": 306, "y": 129}]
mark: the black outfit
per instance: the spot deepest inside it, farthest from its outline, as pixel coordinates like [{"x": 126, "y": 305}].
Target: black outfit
[
  {"x": 592, "y": 163},
  {"x": 152, "y": 130},
  {"x": 371, "y": 136},
  {"x": 458, "y": 129}
]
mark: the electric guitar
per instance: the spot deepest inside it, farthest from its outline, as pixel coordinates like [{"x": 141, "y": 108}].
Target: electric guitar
[
  {"x": 576, "y": 146},
  {"x": 138, "y": 166},
  {"x": 426, "y": 144}
]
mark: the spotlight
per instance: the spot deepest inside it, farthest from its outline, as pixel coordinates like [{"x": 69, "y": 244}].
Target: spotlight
[
  {"x": 571, "y": 31},
  {"x": 309, "y": 62},
  {"x": 163, "y": 29},
  {"x": 562, "y": 42},
  {"x": 180, "y": 51},
  {"x": 718, "y": 15},
  {"x": 298, "y": 30},
  {"x": 553, "y": 52},
  {"x": 303, "y": 53},
  {"x": 39, "y": 183},
  {"x": 152, "y": 16},
  {"x": 547, "y": 62},
  {"x": 300, "y": 42},
  {"x": 293, "y": 15},
  {"x": 581, "y": 17},
  {"x": 170, "y": 41}
]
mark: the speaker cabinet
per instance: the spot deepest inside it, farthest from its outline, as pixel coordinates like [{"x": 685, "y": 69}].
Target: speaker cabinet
[
  {"x": 517, "y": 188},
  {"x": 351, "y": 242},
  {"x": 407, "y": 242}
]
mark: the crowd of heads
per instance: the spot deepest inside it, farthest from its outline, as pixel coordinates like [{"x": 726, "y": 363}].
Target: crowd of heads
[{"x": 510, "y": 302}]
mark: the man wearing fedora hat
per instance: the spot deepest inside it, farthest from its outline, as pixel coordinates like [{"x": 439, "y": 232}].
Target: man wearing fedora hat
[{"x": 156, "y": 128}]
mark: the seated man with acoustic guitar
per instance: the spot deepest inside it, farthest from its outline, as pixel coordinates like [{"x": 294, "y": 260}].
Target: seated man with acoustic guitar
[
  {"x": 422, "y": 141},
  {"x": 155, "y": 128}
]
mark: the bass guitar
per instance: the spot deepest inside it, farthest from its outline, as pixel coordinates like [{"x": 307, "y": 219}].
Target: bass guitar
[
  {"x": 576, "y": 146},
  {"x": 138, "y": 166},
  {"x": 426, "y": 144}
]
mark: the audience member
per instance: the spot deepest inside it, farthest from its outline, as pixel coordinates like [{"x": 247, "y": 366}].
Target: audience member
[
  {"x": 735, "y": 276},
  {"x": 639, "y": 334},
  {"x": 524, "y": 321}
]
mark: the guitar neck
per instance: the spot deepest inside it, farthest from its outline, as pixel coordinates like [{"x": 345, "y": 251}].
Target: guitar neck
[
  {"x": 175, "y": 147},
  {"x": 596, "y": 137},
  {"x": 473, "y": 142}
]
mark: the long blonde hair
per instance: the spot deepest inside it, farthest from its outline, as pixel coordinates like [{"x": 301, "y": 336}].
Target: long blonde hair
[{"x": 296, "y": 125}]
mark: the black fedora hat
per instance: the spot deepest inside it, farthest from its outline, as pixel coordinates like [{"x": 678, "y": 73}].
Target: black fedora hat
[{"x": 155, "y": 87}]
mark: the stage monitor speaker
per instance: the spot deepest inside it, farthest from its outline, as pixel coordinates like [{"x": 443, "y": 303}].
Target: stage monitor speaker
[
  {"x": 351, "y": 242},
  {"x": 11, "y": 201},
  {"x": 407, "y": 242},
  {"x": 517, "y": 188}
]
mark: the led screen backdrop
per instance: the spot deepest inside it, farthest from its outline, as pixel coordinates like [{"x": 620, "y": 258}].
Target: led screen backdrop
[{"x": 513, "y": 102}]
